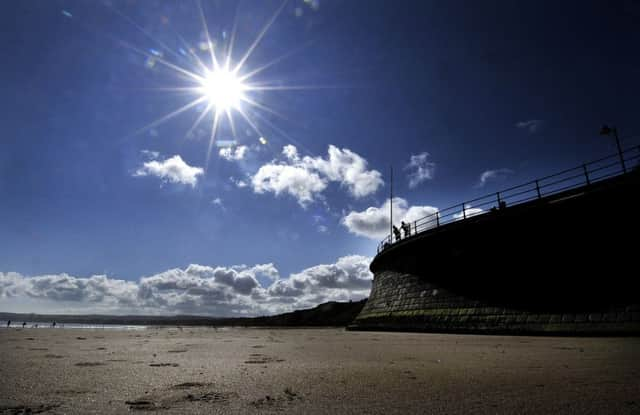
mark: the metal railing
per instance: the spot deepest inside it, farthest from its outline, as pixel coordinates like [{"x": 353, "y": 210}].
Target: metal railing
[{"x": 573, "y": 178}]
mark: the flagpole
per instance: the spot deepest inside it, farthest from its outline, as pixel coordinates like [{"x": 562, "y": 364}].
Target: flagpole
[{"x": 391, "y": 204}]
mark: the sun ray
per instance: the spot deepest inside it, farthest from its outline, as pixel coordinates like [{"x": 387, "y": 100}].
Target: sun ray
[
  {"x": 251, "y": 123},
  {"x": 212, "y": 139},
  {"x": 232, "y": 39},
  {"x": 280, "y": 131},
  {"x": 198, "y": 120},
  {"x": 214, "y": 61},
  {"x": 290, "y": 87},
  {"x": 231, "y": 123},
  {"x": 141, "y": 29},
  {"x": 176, "y": 68},
  {"x": 259, "y": 38},
  {"x": 279, "y": 59},
  {"x": 263, "y": 107},
  {"x": 188, "y": 49},
  {"x": 170, "y": 115}
]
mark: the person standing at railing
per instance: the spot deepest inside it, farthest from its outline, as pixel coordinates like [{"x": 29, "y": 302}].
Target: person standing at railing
[
  {"x": 406, "y": 228},
  {"x": 396, "y": 232}
]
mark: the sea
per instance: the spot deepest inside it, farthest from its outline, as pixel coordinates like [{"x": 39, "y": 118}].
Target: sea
[{"x": 41, "y": 325}]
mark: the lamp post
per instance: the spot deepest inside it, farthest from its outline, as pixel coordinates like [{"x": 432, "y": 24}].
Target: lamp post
[{"x": 606, "y": 130}]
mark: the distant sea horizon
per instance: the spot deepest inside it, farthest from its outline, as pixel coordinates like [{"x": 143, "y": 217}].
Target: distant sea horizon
[{"x": 41, "y": 325}]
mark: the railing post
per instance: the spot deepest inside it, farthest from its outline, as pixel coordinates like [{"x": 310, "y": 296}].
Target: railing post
[
  {"x": 586, "y": 173},
  {"x": 437, "y": 219},
  {"x": 415, "y": 227},
  {"x": 498, "y": 196},
  {"x": 464, "y": 212},
  {"x": 538, "y": 189}
]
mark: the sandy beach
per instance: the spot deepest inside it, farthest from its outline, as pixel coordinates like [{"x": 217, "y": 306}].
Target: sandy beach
[{"x": 203, "y": 370}]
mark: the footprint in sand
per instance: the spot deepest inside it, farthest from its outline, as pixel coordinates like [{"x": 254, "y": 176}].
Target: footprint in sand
[
  {"x": 90, "y": 364},
  {"x": 189, "y": 385},
  {"x": 257, "y": 358},
  {"x": 143, "y": 405},
  {"x": 277, "y": 402},
  {"x": 28, "y": 409},
  {"x": 164, "y": 365},
  {"x": 179, "y": 395},
  {"x": 177, "y": 351}
]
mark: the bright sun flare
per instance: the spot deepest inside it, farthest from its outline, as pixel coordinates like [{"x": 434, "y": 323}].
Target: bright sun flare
[
  {"x": 223, "y": 89},
  {"x": 223, "y": 86}
]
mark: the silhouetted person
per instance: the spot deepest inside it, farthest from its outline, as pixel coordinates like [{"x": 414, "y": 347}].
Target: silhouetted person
[
  {"x": 53, "y": 325},
  {"x": 406, "y": 228},
  {"x": 23, "y": 324},
  {"x": 396, "y": 232},
  {"x": 9, "y": 323}
]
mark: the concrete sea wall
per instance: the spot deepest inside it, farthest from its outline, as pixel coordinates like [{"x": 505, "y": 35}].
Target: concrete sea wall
[{"x": 565, "y": 264}]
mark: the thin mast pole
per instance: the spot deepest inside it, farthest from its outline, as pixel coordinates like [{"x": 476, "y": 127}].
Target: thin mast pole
[{"x": 391, "y": 204}]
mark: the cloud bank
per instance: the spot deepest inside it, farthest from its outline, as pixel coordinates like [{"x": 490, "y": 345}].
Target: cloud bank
[{"x": 197, "y": 289}]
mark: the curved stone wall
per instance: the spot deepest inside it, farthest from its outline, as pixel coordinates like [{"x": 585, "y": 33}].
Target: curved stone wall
[
  {"x": 401, "y": 301},
  {"x": 565, "y": 264}
]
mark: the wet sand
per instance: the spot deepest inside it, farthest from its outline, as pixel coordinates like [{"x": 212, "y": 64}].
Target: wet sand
[{"x": 306, "y": 371}]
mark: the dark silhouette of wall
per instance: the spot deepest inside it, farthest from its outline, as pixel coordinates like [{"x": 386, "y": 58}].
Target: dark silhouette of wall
[{"x": 561, "y": 264}]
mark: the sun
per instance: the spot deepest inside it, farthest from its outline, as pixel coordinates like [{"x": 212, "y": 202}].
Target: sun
[{"x": 222, "y": 89}]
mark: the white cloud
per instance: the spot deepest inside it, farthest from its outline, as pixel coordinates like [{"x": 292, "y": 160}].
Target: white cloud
[
  {"x": 239, "y": 182},
  {"x": 307, "y": 177},
  {"x": 347, "y": 279},
  {"x": 420, "y": 169},
  {"x": 172, "y": 170},
  {"x": 197, "y": 289},
  {"x": 290, "y": 152},
  {"x": 531, "y": 126},
  {"x": 468, "y": 212},
  {"x": 347, "y": 168},
  {"x": 374, "y": 221},
  {"x": 293, "y": 180},
  {"x": 97, "y": 293},
  {"x": 233, "y": 153},
  {"x": 152, "y": 155},
  {"x": 498, "y": 174}
]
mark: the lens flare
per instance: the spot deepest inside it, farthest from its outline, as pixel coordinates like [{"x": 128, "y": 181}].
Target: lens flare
[{"x": 223, "y": 89}]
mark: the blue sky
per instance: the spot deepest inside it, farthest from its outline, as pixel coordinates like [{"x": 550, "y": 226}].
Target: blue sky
[{"x": 94, "y": 207}]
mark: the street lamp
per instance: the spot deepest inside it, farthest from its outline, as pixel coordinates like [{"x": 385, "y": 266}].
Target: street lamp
[{"x": 606, "y": 130}]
